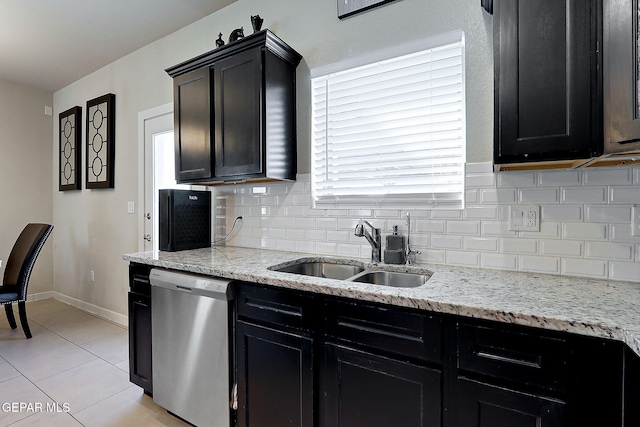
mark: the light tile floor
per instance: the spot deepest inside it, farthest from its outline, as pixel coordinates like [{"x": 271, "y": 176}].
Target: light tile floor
[{"x": 73, "y": 372}]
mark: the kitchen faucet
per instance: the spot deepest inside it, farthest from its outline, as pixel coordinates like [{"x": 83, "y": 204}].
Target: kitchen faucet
[
  {"x": 409, "y": 251},
  {"x": 374, "y": 239}
]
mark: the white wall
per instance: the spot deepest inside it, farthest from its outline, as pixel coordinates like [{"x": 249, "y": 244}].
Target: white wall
[
  {"x": 25, "y": 172},
  {"x": 93, "y": 229}
]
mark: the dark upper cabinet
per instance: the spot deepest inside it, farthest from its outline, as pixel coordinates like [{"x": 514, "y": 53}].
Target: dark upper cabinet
[
  {"x": 546, "y": 80},
  {"x": 235, "y": 115},
  {"x": 192, "y": 112},
  {"x": 621, "y": 75}
]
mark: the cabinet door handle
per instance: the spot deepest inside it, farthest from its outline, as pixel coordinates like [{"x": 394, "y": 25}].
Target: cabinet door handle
[
  {"x": 233, "y": 402},
  {"x": 147, "y": 237}
]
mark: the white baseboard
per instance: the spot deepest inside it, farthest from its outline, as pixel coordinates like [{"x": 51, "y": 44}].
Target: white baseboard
[{"x": 109, "y": 315}]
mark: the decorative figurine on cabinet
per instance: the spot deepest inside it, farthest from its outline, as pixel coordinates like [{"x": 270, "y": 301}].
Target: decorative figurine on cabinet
[
  {"x": 256, "y": 23},
  {"x": 219, "y": 41},
  {"x": 236, "y": 34}
]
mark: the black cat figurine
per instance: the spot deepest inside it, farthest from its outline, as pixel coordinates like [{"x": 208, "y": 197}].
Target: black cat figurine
[
  {"x": 236, "y": 34},
  {"x": 256, "y": 23}
]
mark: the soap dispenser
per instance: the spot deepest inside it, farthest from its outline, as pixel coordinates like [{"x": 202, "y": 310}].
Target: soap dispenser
[{"x": 395, "y": 249}]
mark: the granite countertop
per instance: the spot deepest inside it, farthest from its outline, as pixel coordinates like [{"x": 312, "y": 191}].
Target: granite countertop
[{"x": 600, "y": 308}]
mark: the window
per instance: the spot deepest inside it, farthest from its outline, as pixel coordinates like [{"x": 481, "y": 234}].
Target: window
[{"x": 391, "y": 132}]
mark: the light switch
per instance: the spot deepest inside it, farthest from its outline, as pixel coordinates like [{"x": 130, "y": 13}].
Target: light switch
[{"x": 131, "y": 207}]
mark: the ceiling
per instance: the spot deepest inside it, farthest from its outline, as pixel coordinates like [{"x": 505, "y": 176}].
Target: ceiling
[{"x": 49, "y": 44}]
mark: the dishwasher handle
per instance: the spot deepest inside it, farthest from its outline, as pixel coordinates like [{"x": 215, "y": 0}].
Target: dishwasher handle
[{"x": 213, "y": 287}]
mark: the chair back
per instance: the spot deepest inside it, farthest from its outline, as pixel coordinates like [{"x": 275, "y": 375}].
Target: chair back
[{"x": 23, "y": 257}]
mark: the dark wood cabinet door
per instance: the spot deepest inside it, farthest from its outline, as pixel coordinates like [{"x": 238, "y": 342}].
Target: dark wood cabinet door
[
  {"x": 483, "y": 405},
  {"x": 140, "y": 341},
  {"x": 192, "y": 111},
  {"x": 546, "y": 84},
  {"x": 238, "y": 121},
  {"x": 275, "y": 378},
  {"x": 362, "y": 389},
  {"x": 621, "y": 70}
]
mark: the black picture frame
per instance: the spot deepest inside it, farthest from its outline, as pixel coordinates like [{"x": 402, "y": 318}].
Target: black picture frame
[
  {"x": 347, "y": 8},
  {"x": 100, "y": 142},
  {"x": 70, "y": 149}
]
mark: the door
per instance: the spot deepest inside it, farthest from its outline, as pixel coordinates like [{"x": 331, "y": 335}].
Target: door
[
  {"x": 363, "y": 389},
  {"x": 275, "y": 377},
  {"x": 158, "y": 166},
  {"x": 237, "y": 94},
  {"x": 545, "y": 77},
  {"x": 621, "y": 75},
  {"x": 484, "y": 405}
]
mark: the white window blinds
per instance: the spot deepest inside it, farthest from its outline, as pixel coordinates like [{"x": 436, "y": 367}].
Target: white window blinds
[{"x": 391, "y": 133}]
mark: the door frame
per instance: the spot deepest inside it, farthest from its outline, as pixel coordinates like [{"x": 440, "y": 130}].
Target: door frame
[{"x": 143, "y": 116}]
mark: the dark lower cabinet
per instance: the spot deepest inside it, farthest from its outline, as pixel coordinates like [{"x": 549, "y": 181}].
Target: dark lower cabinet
[
  {"x": 484, "y": 405},
  {"x": 140, "y": 327},
  {"x": 364, "y": 389},
  {"x": 275, "y": 378},
  {"x": 307, "y": 360}
]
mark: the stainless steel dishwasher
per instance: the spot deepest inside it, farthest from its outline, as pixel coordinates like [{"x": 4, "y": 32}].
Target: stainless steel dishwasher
[{"x": 190, "y": 345}]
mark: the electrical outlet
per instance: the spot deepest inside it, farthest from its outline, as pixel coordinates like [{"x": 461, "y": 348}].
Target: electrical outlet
[
  {"x": 131, "y": 207},
  {"x": 635, "y": 221},
  {"x": 524, "y": 218}
]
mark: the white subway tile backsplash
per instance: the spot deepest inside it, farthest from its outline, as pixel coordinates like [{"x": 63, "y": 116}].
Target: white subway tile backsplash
[
  {"x": 606, "y": 250},
  {"x": 481, "y": 212},
  {"x": 482, "y": 244},
  {"x": 585, "y": 225},
  {"x": 471, "y": 196},
  {"x": 489, "y": 196},
  {"x": 561, "y": 213},
  {"x": 496, "y": 228},
  {"x": 559, "y": 178},
  {"x": 584, "y": 231},
  {"x": 469, "y": 259},
  {"x": 517, "y": 245},
  {"x": 624, "y": 195},
  {"x": 584, "y": 267},
  {"x": 480, "y": 181},
  {"x": 608, "y": 214},
  {"x": 622, "y": 233},
  {"x": 573, "y": 195},
  {"x": 540, "y": 264},
  {"x": 428, "y": 226},
  {"x": 317, "y": 235},
  {"x": 571, "y": 248},
  {"x": 625, "y": 271},
  {"x": 608, "y": 176},
  {"x": 548, "y": 230},
  {"x": 446, "y": 242},
  {"x": 516, "y": 179},
  {"x": 501, "y": 261},
  {"x": 538, "y": 195},
  {"x": 446, "y": 214},
  {"x": 463, "y": 227}
]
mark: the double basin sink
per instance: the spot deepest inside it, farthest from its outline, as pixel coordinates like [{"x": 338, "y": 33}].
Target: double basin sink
[{"x": 354, "y": 273}]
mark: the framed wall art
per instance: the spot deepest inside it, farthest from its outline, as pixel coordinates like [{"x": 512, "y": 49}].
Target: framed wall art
[
  {"x": 101, "y": 126},
  {"x": 70, "y": 161},
  {"x": 347, "y": 8}
]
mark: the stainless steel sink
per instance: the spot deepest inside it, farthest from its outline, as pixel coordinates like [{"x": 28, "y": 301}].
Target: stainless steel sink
[
  {"x": 323, "y": 269},
  {"x": 390, "y": 278}
]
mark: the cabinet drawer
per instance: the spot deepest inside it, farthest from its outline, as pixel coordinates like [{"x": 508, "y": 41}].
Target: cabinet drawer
[
  {"x": 389, "y": 329},
  {"x": 521, "y": 357},
  {"x": 274, "y": 306},
  {"x": 139, "y": 279}
]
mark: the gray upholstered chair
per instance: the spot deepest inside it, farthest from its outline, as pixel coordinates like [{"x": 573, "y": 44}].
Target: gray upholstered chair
[{"x": 18, "y": 269}]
